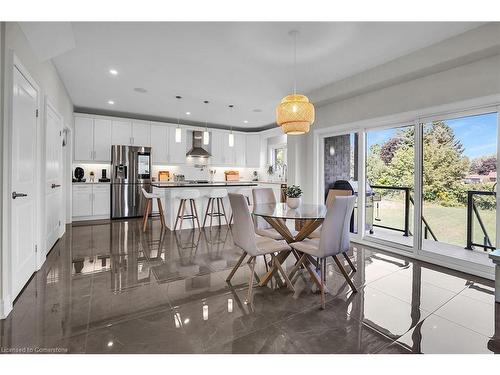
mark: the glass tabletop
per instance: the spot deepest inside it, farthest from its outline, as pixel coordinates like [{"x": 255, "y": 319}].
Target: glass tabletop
[{"x": 282, "y": 211}]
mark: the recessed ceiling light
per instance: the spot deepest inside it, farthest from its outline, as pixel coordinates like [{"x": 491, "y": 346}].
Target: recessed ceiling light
[
  {"x": 111, "y": 102},
  {"x": 188, "y": 113},
  {"x": 141, "y": 90},
  {"x": 113, "y": 72},
  {"x": 245, "y": 122}
]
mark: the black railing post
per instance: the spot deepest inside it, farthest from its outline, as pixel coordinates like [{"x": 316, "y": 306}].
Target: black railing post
[
  {"x": 469, "y": 220},
  {"x": 407, "y": 212}
]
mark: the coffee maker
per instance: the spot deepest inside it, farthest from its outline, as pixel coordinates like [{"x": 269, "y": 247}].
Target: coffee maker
[{"x": 103, "y": 176}]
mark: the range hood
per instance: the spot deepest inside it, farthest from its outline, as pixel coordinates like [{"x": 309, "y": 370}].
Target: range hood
[{"x": 197, "y": 150}]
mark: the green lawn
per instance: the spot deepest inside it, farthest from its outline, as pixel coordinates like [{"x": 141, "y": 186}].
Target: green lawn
[{"x": 449, "y": 224}]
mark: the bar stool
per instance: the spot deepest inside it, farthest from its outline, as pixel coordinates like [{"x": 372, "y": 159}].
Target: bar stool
[
  {"x": 149, "y": 203},
  {"x": 216, "y": 195},
  {"x": 246, "y": 192},
  {"x": 184, "y": 196}
]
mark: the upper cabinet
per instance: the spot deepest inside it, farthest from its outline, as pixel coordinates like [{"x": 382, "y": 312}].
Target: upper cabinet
[
  {"x": 252, "y": 150},
  {"x": 92, "y": 139},
  {"x": 122, "y": 132},
  {"x": 159, "y": 143},
  {"x": 102, "y": 140},
  {"x": 176, "y": 150},
  {"x": 131, "y": 133},
  {"x": 83, "y": 139},
  {"x": 225, "y": 155},
  {"x": 141, "y": 134}
]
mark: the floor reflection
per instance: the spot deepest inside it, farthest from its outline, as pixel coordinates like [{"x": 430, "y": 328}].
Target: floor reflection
[{"x": 111, "y": 288}]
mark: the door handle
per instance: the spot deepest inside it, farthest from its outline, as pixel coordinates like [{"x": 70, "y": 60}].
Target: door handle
[
  {"x": 16, "y": 195},
  {"x": 55, "y": 186}
]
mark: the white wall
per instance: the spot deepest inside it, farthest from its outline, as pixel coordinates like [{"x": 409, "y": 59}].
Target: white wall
[
  {"x": 2, "y": 112},
  {"x": 472, "y": 80},
  {"x": 46, "y": 76}
]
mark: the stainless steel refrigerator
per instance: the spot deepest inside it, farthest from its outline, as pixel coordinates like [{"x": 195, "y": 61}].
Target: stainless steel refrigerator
[{"x": 130, "y": 172}]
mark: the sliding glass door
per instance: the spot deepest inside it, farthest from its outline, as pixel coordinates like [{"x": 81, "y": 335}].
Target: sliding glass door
[
  {"x": 459, "y": 183},
  {"x": 390, "y": 182}
]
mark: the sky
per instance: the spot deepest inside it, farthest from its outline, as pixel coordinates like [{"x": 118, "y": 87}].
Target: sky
[{"x": 478, "y": 134}]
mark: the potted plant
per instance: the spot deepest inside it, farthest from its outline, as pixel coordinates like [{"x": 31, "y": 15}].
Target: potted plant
[{"x": 293, "y": 194}]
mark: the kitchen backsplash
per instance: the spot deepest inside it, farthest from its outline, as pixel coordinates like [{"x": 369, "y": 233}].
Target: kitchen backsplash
[{"x": 189, "y": 172}]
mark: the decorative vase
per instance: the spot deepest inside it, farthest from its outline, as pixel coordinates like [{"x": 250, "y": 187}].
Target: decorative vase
[{"x": 293, "y": 203}]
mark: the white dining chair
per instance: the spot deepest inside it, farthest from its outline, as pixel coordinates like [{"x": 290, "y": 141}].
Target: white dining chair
[
  {"x": 245, "y": 238},
  {"x": 262, "y": 227},
  {"x": 334, "y": 240}
]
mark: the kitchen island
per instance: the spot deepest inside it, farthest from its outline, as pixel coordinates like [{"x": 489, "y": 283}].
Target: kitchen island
[{"x": 172, "y": 190}]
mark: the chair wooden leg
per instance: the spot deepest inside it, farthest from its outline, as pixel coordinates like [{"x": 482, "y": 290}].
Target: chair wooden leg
[
  {"x": 206, "y": 212},
  {"x": 277, "y": 264},
  {"x": 218, "y": 211},
  {"x": 235, "y": 268},
  {"x": 323, "y": 282},
  {"x": 183, "y": 203},
  {"x": 346, "y": 276},
  {"x": 212, "y": 213},
  {"x": 162, "y": 215},
  {"x": 192, "y": 211},
  {"x": 146, "y": 214},
  {"x": 349, "y": 261},
  {"x": 296, "y": 266},
  {"x": 224, "y": 211},
  {"x": 178, "y": 215},
  {"x": 265, "y": 263},
  {"x": 250, "y": 281},
  {"x": 196, "y": 213}
]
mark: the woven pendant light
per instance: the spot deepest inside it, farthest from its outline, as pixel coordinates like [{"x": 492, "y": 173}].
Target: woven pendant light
[{"x": 295, "y": 114}]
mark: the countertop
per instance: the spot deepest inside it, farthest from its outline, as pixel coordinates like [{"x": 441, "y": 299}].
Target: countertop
[
  {"x": 171, "y": 184},
  {"x": 91, "y": 183}
]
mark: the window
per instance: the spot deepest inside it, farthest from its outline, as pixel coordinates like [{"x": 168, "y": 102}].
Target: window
[
  {"x": 390, "y": 176},
  {"x": 278, "y": 157},
  {"x": 459, "y": 178}
]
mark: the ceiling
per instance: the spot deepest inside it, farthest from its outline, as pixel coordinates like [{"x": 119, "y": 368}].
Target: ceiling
[{"x": 249, "y": 65}]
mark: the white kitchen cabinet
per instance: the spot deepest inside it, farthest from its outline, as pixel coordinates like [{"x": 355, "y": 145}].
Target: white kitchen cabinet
[
  {"x": 159, "y": 143},
  {"x": 239, "y": 149},
  {"x": 252, "y": 150},
  {"x": 217, "y": 148},
  {"x": 176, "y": 151},
  {"x": 102, "y": 140},
  {"x": 82, "y": 200},
  {"x": 141, "y": 134},
  {"x": 101, "y": 200},
  {"x": 84, "y": 139},
  {"x": 91, "y": 201},
  {"x": 121, "y": 133}
]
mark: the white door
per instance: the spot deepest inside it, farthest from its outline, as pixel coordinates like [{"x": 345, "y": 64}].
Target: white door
[
  {"x": 122, "y": 133},
  {"x": 141, "y": 134},
  {"x": 102, "y": 140},
  {"x": 159, "y": 144},
  {"x": 83, "y": 144},
  {"x": 23, "y": 179},
  {"x": 53, "y": 176}
]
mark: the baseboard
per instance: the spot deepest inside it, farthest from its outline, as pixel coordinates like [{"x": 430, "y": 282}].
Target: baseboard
[{"x": 5, "y": 307}]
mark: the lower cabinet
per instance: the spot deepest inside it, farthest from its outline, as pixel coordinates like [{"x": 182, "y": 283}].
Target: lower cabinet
[{"x": 91, "y": 201}]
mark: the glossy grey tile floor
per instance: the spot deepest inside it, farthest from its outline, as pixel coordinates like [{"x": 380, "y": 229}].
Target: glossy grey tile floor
[{"x": 109, "y": 288}]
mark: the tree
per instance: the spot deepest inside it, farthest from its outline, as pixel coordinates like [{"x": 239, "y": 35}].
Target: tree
[{"x": 484, "y": 165}]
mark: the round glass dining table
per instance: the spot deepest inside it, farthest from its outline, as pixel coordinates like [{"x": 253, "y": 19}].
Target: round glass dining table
[{"x": 310, "y": 215}]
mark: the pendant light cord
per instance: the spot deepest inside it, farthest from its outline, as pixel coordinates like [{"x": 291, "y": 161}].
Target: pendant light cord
[{"x": 295, "y": 63}]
